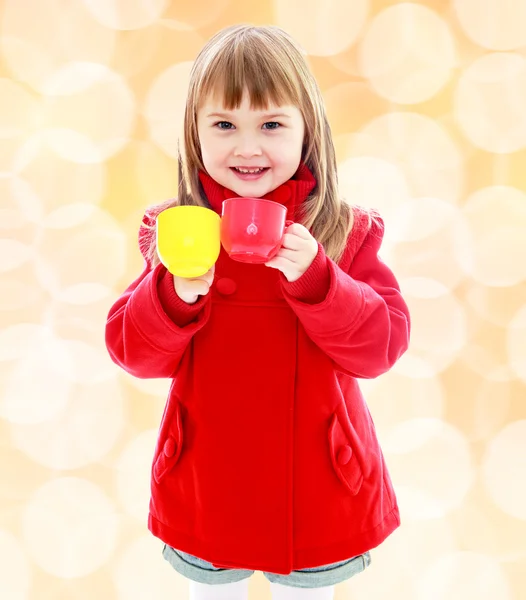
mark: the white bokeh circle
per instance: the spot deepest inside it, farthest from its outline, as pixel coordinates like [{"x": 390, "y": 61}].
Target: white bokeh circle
[
  {"x": 421, "y": 148},
  {"x": 494, "y": 241},
  {"x": 344, "y": 122},
  {"x": 19, "y": 110},
  {"x": 431, "y": 462},
  {"x": 70, "y": 527},
  {"x": 420, "y": 218},
  {"x": 463, "y": 575},
  {"x": 16, "y": 578},
  {"x": 438, "y": 327},
  {"x": 194, "y": 16},
  {"x": 485, "y": 357},
  {"x": 489, "y": 103},
  {"x": 90, "y": 112},
  {"x": 132, "y": 472},
  {"x": 516, "y": 345},
  {"x": 504, "y": 469},
  {"x": 481, "y": 526},
  {"x": 373, "y": 183},
  {"x": 486, "y": 407},
  {"x": 20, "y": 293},
  {"x": 415, "y": 397},
  {"x": 82, "y": 434},
  {"x": 498, "y": 305},
  {"x": 16, "y": 340},
  {"x": 126, "y": 14},
  {"x": 152, "y": 387},
  {"x": 88, "y": 364},
  {"x": 38, "y": 38},
  {"x": 326, "y": 31},
  {"x": 32, "y": 388},
  {"x": 407, "y": 53},
  {"x": 401, "y": 559},
  {"x": 45, "y": 181},
  {"x": 19, "y": 216},
  {"x": 81, "y": 252},
  {"x": 165, "y": 105},
  {"x": 493, "y": 24},
  {"x": 23, "y": 200},
  {"x": 13, "y": 254},
  {"x": 141, "y": 573},
  {"x": 422, "y": 233}
]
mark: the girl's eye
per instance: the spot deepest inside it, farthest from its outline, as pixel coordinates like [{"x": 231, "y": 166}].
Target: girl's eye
[{"x": 226, "y": 125}]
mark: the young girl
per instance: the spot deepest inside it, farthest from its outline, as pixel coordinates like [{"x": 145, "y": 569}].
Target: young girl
[{"x": 267, "y": 457}]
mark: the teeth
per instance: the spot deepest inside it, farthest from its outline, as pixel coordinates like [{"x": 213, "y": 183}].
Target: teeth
[{"x": 249, "y": 170}]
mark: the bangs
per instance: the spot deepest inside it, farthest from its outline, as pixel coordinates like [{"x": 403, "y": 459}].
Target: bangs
[{"x": 268, "y": 78}]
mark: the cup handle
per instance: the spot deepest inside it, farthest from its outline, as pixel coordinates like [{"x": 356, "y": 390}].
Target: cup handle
[{"x": 275, "y": 250}]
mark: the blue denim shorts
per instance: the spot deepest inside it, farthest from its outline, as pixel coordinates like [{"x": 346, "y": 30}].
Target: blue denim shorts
[{"x": 204, "y": 572}]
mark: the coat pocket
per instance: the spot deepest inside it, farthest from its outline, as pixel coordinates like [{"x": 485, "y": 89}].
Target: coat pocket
[
  {"x": 343, "y": 456},
  {"x": 170, "y": 449}
]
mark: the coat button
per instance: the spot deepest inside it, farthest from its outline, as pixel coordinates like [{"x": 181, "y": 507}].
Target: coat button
[
  {"x": 226, "y": 286},
  {"x": 344, "y": 455},
  {"x": 169, "y": 447}
]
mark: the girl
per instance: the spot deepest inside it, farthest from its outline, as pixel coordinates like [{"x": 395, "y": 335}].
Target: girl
[{"x": 267, "y": 457}]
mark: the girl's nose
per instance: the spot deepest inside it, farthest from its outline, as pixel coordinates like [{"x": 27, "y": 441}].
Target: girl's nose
[{"x": 247, "y": 146}]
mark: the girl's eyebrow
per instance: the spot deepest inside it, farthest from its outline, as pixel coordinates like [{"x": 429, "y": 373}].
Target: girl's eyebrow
[{"x": 264, "y": 116}]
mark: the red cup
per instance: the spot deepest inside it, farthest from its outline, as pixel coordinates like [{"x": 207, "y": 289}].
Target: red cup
[{"x": 252, "y": 229}]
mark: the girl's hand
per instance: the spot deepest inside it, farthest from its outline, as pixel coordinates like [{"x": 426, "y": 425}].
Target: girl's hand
[
  {"x": 189, "y": 290},
  {"x": 297, "y": 253}
]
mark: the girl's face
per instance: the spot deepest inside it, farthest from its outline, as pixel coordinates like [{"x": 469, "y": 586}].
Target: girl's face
[{"x": 267, "y": 143}]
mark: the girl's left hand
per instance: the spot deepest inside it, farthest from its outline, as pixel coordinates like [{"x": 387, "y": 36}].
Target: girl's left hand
[{"x": 297, "y": 253}]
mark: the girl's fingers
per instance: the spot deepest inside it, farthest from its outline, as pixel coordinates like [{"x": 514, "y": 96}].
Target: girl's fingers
[
  {"x": 200, "y": 287},
  {"x": 280, "y": 262},
  {"x": 291, "y": 255},
  {"x": 292, "y": 242},
  {"x": 208, "y": 276},
  {"x": 300, "y": 231}
]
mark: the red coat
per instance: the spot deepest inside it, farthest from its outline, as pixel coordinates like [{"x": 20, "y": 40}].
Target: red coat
[{"x": 267, "y": 457}]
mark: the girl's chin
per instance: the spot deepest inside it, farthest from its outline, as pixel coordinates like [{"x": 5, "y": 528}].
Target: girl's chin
[{"x": 252, "y": 190}]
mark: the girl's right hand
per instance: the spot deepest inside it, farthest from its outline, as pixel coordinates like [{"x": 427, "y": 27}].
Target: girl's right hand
[{"x": 189, "y": 289}]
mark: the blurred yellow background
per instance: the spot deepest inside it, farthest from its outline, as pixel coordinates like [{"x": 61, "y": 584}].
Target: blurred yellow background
[{"x": 427, "y": 102}]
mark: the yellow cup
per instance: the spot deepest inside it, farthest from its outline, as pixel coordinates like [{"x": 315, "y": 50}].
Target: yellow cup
[{"x": 188, "y": 239}]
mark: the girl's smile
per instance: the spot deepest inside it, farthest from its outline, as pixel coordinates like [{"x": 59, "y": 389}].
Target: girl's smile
[{"x": 250, "y": 173}]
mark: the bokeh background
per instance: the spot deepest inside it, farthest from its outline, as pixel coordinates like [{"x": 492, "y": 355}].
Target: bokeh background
[{"x": 427, "y": 102}]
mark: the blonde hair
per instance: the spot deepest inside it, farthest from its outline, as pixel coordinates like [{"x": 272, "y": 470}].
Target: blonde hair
[{"x": 268, "y": 63}]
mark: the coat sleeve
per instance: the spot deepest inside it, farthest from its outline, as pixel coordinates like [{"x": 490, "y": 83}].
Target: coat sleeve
[
  {"x": 362, "y": 322},
  {"x": 149, "y": 327}
]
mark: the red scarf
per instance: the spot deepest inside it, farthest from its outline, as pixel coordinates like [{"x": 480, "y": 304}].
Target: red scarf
[{"x": 291, "y": 193}]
